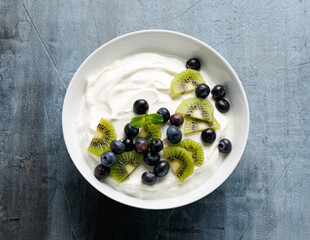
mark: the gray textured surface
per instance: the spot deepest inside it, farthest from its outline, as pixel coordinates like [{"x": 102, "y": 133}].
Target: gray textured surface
[{"x": 42, "y": 195}]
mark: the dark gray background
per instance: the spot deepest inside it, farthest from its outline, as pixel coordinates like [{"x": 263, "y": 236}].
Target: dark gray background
[{"x": 43, "y": 196}]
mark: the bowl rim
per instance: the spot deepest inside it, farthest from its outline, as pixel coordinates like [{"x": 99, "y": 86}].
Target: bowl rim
[{"x": 146, "y": 203}]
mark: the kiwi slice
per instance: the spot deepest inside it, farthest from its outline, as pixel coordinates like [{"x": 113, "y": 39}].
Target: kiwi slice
[
  {"x": 184, "y": 82},
  {"x": 195, "y": 148},
  {"x": 149, "y": 132},
  {"x": 196, "y": 125},
  {"x": 103, "y": 136},
  {"x": 199, "y": 108},
  {"x": 180, "y": 161},
  {"x": 125, "y": 164}
]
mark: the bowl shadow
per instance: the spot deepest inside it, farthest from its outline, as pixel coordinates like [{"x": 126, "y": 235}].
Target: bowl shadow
[{"x": 99, "y": 217}]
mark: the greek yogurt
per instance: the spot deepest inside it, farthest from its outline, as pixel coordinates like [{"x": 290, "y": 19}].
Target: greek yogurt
[{"x": 111, "y": 95}]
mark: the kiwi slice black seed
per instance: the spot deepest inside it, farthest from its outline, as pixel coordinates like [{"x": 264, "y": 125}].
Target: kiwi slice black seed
[
  {"x": 196, "y": 150},
  {"x": 103, "y": 136},
  {"x": 180, "y": 160},
  {"x": 196, "y": 125},
  {"x": 150, "y": 132},
  {"x": 199, "y": 108},
  {"x": 184, "y": 82},
  {"x": 125, "y": 164}
]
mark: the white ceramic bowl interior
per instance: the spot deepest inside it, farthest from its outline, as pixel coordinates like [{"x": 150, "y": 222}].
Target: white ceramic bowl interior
[{"x": 169, "y": 43}]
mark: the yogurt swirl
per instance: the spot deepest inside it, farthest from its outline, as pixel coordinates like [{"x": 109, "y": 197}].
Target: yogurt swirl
[{"x": 111, "y": 95}]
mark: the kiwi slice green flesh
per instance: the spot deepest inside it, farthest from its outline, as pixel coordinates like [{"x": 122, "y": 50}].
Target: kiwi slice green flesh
[
  {"x": 196, "y": 125},
  {"x": 180, "y": 161},
  {"x": 199, "y": 108},
  {"x": 125, "y": 164},
  {"x": 149, "y": 132},
  {"x": 184, "y": 82},
  {"x": 195, "y": 148},
  {"x": 103, "y": 136}
]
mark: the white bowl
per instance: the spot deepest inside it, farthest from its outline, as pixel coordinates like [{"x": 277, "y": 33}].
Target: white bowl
[{"x": 170, "y": 43}]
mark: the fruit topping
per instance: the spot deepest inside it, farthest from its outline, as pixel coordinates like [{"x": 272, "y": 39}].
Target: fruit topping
[
  {"x": 174, "y": 134},
  {"x": 120, "y": 158},
  {"x": 156, "y": 145},
  {"x": 161, "y": 169},
  {"x": 196, "y": 125},
  {"x": 148, "y": 178},
  {"x": 103, "y": 136},
  {"x": 128, "y": 144},
  {"x": 164, "y": 112},
  {"x": 140, "y": 106},
  {"x": 141, "y": 145},
  {"x": 117, "y": 146},
  {"x": 208, "y": 135},
  {"x": 125, "y": 164},
  {"x": 222, "y": 105},
  {"x": 131, "y": 131},
  {"x": 151, "y": 158},
  {"x": 199, "y": 108},
  {"x": 176, "y": 119},
  {"x": 218, "y": 92},
  {"x": 224, "y": 146},
  {"x": 108, "y": 159},
  {"x": 185, "y": 81},
  {"x": 195, "y": 148},
  {"x": 193, "y": 63},
  {"x": 180, "y": 161},
  {"x": 150, "y": 132},
  {"x": 101, "y": 172},
  {"x": 202, "y": 91}
]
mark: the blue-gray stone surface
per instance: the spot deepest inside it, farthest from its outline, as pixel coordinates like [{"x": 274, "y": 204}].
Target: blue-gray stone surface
[{"x": 43, "y": 196}]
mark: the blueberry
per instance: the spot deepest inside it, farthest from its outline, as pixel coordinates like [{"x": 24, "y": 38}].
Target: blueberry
[
  {"x": 161, "y": 169},
  {"x": 130, "y": 131},
  {"x": 208, "y": 135},
  {"x": 140, "y": 106},
  {"x": 156, "y": 145},
  {"x": 222, "y": 105},
  {"x": 128, "y": 144},
  {"x": 151, "y": 158},
  {"x": 218, "y": 92},
  {"x": 193, "y": 63},
  {"x": 176, "y": 119},
  {"x": 174, "y": 134},
  {"x": 101, "y": 172},
  {"x": 202, "y": 91},
  {"x": 117, "y": 146},
  {"x": 141, "y": 145},
  {"x": 148, "y": 178},
  {"x": 108, "y": 158},
  {"x": 165, "y": 114},
  {"x": 224, "y": 146}
]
